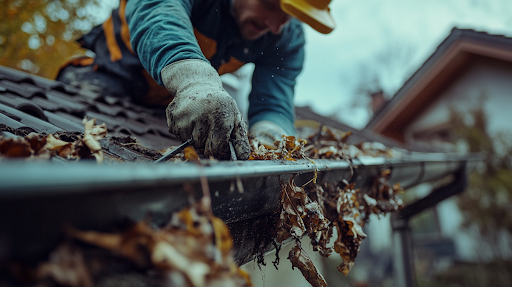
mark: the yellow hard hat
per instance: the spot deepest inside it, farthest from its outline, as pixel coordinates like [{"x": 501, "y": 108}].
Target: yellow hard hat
[{"x": 315, "y": 13}]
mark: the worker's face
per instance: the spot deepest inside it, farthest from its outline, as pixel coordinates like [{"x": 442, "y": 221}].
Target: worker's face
[{"x": 258, "y": 17}]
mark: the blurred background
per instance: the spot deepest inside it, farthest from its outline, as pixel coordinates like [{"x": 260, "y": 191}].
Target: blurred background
[{"x": 377, "y": 45}]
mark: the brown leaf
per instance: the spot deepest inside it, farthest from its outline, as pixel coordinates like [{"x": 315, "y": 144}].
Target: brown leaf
[
  {"x": 190, "y": 153},
  {"x": 288, "y": 148},
  {"x": 167, "y": 256},
  {"x": 15, "y": 148},
  {"x": 55, "y": 144},
  {"x": 194, "y": 247},
  {"x": 315, "y": 220},
  {"x": 128, "y": 244},
  {"x": 67, "y": 267},
  {"x": 345, "y": 267},
  {"x": 223, "y": 239},
  {"x": 301, "y": 260},
  {"x": 36, "y": 142},
  {"x": 92, "y": 134}
]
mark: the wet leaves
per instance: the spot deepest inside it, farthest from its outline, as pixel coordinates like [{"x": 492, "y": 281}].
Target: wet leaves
[
  {"x": 194, "y": 248},
  {"x": 92, "y": 134},
  {"x": 38, "y": 146},
  {"x": 299, "y": 214},
  {"x": 300, "y": 259},
  {"x": 325, "y": 144},
  {"x": 189, "y": 153},
  {"x": 288, "y": 148},
  {"x": 321, "y": 210},
  {"x": 67, "y": 267}
]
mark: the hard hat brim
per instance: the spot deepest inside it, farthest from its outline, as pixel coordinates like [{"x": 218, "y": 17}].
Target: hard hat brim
[{"x": 320, "y": 20}]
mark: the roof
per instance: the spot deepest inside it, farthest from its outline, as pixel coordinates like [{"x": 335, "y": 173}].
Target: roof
[
  {"x": 50, "y": 106},
  {"x": 449, "y": 61}
]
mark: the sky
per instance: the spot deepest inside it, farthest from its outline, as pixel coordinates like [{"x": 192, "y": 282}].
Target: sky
[{"x": 387, "y": 40}]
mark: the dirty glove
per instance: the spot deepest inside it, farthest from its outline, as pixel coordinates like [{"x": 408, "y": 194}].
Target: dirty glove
[
  {"x": 203, "y": 110},
  {"x": 266, "y": 132}
]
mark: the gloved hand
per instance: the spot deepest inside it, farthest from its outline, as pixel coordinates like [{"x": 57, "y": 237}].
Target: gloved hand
[
  {"x": 267, "y": 132},
  {"x": 203, "y": 110}
]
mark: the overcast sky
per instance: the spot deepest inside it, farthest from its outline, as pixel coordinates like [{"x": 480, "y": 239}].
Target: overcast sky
[{"x": 390, "y": 39}]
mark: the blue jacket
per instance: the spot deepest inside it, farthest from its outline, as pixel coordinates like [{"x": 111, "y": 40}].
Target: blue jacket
[{"x": 165, "y": 31}]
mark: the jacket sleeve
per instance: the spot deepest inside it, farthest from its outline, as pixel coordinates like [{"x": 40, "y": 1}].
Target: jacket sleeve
[
  {"x": 161, "y": 33},
  {"x": 273, "y": 80}
]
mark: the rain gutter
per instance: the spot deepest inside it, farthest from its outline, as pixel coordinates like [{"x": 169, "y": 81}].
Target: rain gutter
[{"x": 38, "y": 198}]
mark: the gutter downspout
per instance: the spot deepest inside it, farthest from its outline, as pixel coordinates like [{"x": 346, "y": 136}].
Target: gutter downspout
[{"x": 405, "y": 273}]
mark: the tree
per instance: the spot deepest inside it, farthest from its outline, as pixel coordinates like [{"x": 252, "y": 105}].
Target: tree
[
  {"x": 39, "y": 36},
  {"x": 487, "y": 201}
]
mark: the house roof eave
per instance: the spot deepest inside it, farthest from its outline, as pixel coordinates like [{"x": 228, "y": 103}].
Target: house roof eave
[{"x": 451, "y": 56}]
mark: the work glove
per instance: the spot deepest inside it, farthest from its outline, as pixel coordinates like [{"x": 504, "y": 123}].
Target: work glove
[
  {"x": 203, "y": 111},
  {"x": 266, "y": 132}
]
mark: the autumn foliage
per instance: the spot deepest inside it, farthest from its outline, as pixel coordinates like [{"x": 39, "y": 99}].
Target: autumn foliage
[{"x": 39, "y": 36}]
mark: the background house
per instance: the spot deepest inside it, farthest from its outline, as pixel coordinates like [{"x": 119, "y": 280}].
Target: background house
[
  {"x": 467, "y": 81},
  {"x": 468, "y": 68}
]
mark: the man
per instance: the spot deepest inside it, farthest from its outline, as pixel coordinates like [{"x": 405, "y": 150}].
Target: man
[{"x": 184, "y": 45}]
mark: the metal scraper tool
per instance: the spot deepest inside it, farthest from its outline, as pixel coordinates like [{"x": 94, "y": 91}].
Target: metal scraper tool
[
  {"x": 170, "y": 153},
  {"x": 232, "y": 151}
]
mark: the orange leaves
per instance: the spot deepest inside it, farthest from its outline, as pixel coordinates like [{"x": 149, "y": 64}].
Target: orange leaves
[
  {"x": 194, "y": 248},
  {"x": 67, "y": 267},
  {"x": 15, "y": 148},
  {"x": 322, "y": 209},
  {"x": 288, "y": 148},
  {"x": 190, "y": 154},
  {"x": 326, "y": 144},
  {"x": 37, "y": 146},
  {"x": 222, "y": 236},
  {"x": 54, "y": 27},
  {"x": 318, "y": 210}
]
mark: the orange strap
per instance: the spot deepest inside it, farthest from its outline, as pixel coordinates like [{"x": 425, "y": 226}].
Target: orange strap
[
  {"x": 125, "y": 31},
  {"x": 113, "y": 48},
  {"x": 230, "y": 66},
  {"x": 208, "y": 45},
  {"x": 157, "y": 95}
]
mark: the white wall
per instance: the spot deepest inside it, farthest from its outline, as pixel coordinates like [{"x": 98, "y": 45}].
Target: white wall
[{"x": 492, "y": 78}]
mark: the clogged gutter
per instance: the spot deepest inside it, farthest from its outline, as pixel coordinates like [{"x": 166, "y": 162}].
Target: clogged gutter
[{"x": 317, "y": 210}]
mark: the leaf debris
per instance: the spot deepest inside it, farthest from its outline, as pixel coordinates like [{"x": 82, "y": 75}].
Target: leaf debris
[
  {"x": 39, "y": 146},
  {"x": 320, "y": 210},
  {"x": 326, "y": 144}
]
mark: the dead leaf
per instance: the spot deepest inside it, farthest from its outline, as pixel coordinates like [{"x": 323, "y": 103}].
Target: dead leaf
[
  {"x": 53, "y": 143},
  {"x": 15, "y": 148},
  {"x": 36, "y": 142},
  {"x": 67, "y": 267},
  {"x": 190, "y": 153},
  {"x": 92, "y": 134},
  {"x": 223, "y": 239},
  {"x": 195, "y": 246},
  {"x": 167, "y": 256},
  {"x": 301, "y": 260}
]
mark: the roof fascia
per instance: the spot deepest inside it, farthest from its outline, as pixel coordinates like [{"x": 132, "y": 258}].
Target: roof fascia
[{"x": 456, "y": 52}]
